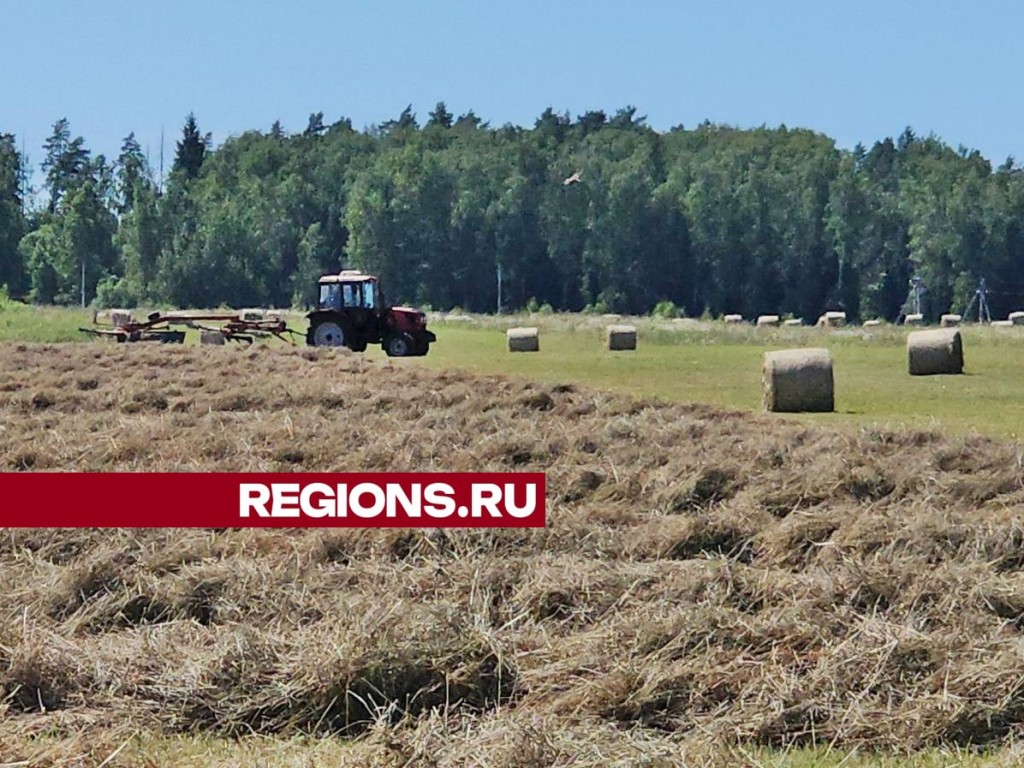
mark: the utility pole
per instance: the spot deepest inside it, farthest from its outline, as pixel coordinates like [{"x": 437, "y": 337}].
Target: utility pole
[{"x": 499, "y": 289}]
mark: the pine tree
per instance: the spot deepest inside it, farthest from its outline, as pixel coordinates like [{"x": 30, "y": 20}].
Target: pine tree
[{"x": 191, "y": 150}]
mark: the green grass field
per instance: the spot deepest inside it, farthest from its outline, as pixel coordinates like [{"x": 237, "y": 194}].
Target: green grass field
[
  {"x": 723, "y": 366},
  {"x": 700, "y": 362},
  {"x": 274, "y": 752}
]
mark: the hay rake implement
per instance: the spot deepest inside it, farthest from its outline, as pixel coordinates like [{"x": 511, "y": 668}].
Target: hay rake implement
[{"x": 170, "y": 328}]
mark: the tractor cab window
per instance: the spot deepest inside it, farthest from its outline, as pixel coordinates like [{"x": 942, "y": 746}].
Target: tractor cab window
[
  {"x": 330, "y": 296},
  {"x": 369, "y": 295},
  {"x": 349, "y": 295}
]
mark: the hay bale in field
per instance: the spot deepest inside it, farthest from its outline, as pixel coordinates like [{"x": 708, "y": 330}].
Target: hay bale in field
[
  {"x": 935, "y": 352},
  {"x": 1016, "y": 318},
  {"x": 797, "y": 381},
  {"x": 950, "y": 321},
  {"x": 793, "y": 322},
  {"x": 1002, "y": 323},
  {"x": 872, "y": 323},
  {"x": 621, "y": 337},
  {"x": 832, "y": 320},
  {"x": 120, "y": 317},
  {"x": 523, "y": 339},
  {"x": 768, "y": 321},
  {"x": 913, "y": 320},
  {"x": 212, "y": 337},
  {"x": 733, "y": 319}
]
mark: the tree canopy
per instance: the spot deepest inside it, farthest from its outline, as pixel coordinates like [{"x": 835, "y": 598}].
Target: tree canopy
[{"x": 595, "y": 212}]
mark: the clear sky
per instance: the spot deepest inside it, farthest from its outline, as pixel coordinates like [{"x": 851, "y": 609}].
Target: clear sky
[{"x": 857, "y": 71}]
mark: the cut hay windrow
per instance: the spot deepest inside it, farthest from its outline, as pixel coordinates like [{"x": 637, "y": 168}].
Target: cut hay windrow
[
  {"x": 706, "y": 577},
  {"x": 935, "y": 352}
]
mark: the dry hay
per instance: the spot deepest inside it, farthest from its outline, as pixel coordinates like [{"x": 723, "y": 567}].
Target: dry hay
[
  {"x": 620, "y": 337},
  {"x": 1002, "y": 323},
  {"x": 1016, "y": 318},
  {"x": 832, "y": 320},
  {"x": 873, "y": 323},
  {"x": 914, "y": 319},
  {"x": 768, "y": 321},
  {"x": 935, "y": 352},
  {"x": 732, "y": 319},
  {"x": 793, "y": 322},
  {"x": 706, "y": 576},
  {"x": 950, "y": 321},
  {"x": 212, "y": 337},
  {"x": 523, "y": 339},
  {"x": 798, "y": 380}
]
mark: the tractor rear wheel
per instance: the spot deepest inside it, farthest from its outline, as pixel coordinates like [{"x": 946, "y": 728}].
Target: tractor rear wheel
[
  {"x": 398, "y": 345},
  {"x": 328, "y": 334}
]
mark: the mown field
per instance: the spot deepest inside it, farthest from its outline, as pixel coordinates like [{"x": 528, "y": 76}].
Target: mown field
[
  {"x": 714, "y": 587},
  {"x": 699, "y": 362}
]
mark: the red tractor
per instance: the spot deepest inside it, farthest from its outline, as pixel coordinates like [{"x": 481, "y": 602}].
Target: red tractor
[{"x": 351, "y": 312}]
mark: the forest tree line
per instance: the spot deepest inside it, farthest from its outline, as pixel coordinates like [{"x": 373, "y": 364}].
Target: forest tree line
[{"x": 598, "y": 213}]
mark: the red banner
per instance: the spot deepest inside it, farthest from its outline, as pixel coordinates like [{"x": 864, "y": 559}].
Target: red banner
[{"x": 277, "y": 500}]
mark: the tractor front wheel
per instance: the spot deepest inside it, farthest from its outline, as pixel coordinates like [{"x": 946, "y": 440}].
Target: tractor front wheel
[
  {"x": 327, "y": 334},
  {"x": 398, "y": 345}
]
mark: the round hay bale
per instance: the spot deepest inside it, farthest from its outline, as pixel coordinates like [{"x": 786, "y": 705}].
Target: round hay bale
[
  {"x": 1002, "y": 323},
  {"x": 523, "y": 339},
  {"x": 935, "y": 352},
  {"x": 798, "y": 381},
  {"x": 872, "y": 323},
  {"x": 621, "y": 337},
  {"x": 733, "y": 319},
  {"x": 1016, "y": 318},
  {"x": 212, "y": 337},
  {"x": 768, "y": 321},
  {"x": 793, "y": 322},
  {"x": 913, "y": 320},
  {"x": 950, "y": 321},
  {"x": 832, "y": 320}
]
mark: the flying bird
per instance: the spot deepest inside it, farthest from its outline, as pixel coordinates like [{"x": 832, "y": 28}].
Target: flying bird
[{"x": 574, "y": 179}]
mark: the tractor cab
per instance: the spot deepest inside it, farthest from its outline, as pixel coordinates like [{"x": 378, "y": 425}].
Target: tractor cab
[
  {"x": 351, "y": 312},
  {"x": 348, "y": 290}
]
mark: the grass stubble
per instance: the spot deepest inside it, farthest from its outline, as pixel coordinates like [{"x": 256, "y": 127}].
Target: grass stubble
[{"x": 713, "y": 586}]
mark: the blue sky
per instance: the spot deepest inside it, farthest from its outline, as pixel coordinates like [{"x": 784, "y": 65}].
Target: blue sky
[{"x": 857, "y": 71}]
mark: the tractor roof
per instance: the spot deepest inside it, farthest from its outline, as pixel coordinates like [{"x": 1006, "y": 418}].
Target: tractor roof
[{"x": 348, "y": 276}]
